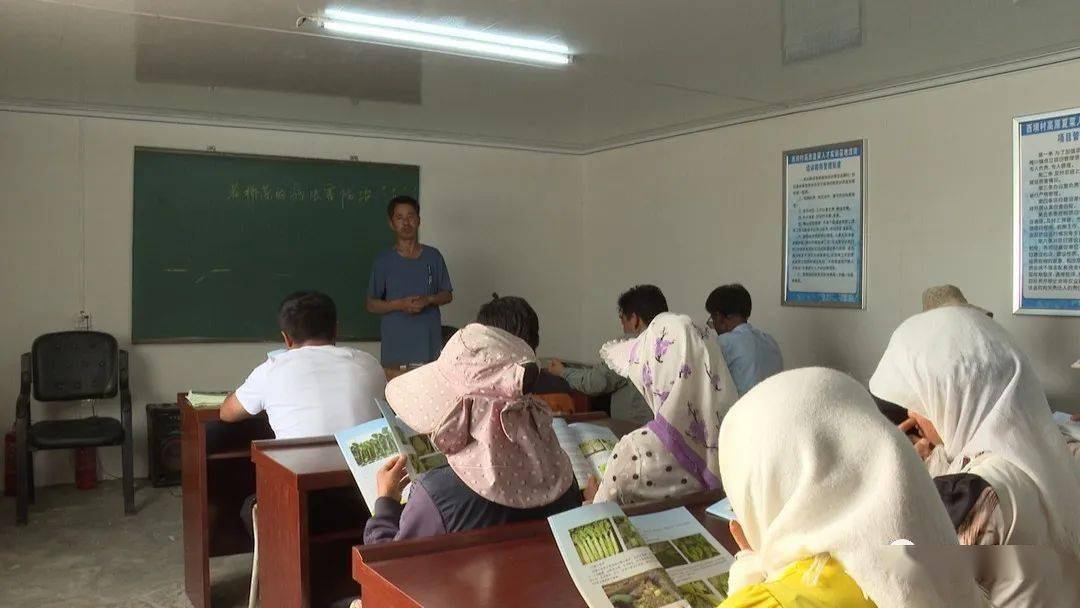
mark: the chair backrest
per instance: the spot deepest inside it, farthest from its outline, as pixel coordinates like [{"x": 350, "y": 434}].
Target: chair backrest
[
  {"x": 448, "y": 332},
  {"x": 558, "y": 402},
  {"x": 73, "y": 365}
]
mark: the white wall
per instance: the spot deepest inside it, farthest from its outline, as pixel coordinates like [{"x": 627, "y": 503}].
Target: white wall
[
  {"x": 696, "y": 211},
  {"x": 506, "y": 221},
  {"x": 687, "y": 213}
]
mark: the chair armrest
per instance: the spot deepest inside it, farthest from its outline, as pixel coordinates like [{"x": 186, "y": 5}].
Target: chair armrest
[
  {"x": 125, "y": 390},
  {"x": 22, "y": 405}
]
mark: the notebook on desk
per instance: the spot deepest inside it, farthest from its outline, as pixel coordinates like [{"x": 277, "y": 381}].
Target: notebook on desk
[{"x": 199, "y": 399}]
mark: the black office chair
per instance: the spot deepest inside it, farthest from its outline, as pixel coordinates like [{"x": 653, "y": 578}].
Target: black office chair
[
  {"x": 72, "y": 366},
  {"x": 448, "y": 332}
]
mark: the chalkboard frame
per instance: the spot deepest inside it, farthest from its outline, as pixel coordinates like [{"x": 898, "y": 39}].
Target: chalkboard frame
[{"x": 213, "y": 152}]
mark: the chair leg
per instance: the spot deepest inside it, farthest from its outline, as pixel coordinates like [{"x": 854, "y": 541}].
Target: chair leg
[
  {"x": 253, "y": 592},
  {"x": 30, "y": 475},
  {"x": 129, "y": 476},
  {"x": 22, "y": 484}
]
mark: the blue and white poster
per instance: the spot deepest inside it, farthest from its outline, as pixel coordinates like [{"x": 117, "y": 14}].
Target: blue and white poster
[
  {"x": 1046, "y": 189},
  {"x": 824, "y": 198}
]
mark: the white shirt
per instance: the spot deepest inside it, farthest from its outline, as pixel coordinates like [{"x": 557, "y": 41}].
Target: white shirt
[{"x": 314, "y": 390}]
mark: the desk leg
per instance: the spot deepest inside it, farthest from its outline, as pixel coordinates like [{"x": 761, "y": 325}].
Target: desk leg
[
  {"x": 283, "y": 546},
  {"x": 195, "y": 510},
  {"x": 378, "y": 592}
]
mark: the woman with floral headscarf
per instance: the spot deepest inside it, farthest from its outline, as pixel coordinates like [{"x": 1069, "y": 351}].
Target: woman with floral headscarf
[{"x": 686, "y": 383}]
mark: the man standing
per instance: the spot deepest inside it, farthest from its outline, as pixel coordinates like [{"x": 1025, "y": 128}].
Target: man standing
[
  {"x": 408, "y": 285},
  {"x": 751, "y": 354},
  {"x": 637, "y": 308}
]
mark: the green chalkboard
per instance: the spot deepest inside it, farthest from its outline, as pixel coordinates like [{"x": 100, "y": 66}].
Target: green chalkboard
[{"x": 219, "y": 239}]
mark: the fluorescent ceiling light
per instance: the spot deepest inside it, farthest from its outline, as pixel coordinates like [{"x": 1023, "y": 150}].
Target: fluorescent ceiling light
[{"x": 454, "y": 40}]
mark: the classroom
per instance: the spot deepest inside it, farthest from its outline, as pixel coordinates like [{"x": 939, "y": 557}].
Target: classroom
[{"x": 758, "y": 302}]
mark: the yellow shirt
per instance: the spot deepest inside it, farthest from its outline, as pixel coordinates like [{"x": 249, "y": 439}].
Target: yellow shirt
[{"x": 834, "y": 589}]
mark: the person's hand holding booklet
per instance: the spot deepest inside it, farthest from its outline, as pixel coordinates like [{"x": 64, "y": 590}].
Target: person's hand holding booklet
[
  {"x": 369, "y": 447},
  {"x": 588, "y": 446}
]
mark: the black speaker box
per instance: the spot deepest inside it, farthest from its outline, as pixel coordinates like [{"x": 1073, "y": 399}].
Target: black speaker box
[{"x": 163, "y": 437}]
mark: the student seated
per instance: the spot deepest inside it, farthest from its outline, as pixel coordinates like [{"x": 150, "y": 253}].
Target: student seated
[
  {"x": 984, "y": 428},
  {"x": 505, "y": 464},
  {"x": 821, "y": 486},
  {"x": 950, "y": 295},
  {"x": 751, "y": 354},
  {"x": 947, "y": 295},
  {"x": 687, "y": 385},
  {"x": 638, "y": 306},
  {"x": 515, "y": 316},
  {"x": 314, "y": 387}
]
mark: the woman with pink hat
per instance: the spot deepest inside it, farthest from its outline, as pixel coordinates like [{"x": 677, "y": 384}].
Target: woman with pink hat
[
  {"x": 505, "y": 462},
  {"x": 686, "y": 383}
]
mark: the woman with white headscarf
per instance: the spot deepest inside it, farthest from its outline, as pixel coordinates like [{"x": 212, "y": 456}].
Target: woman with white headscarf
[
  {"x": 822, "y": 485},
  {"x": 685, "y": 381},
  {"x": 1003, "y": 466}
]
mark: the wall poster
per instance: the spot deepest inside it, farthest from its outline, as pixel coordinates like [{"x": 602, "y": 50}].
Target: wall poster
[
  {"x": 824, "y": 225},
  {"x": 1046, "y": 213}
]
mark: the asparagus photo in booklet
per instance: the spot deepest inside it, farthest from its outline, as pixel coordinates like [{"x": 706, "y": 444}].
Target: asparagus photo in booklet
[
  {"x": 646, "y": 561},
  {"x": 588, "y": 446}
]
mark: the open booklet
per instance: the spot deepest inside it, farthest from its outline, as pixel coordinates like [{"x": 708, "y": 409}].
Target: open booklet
[
  {"x": 200, "y": 399},
  {"x": 722, "y": 509},
  {"x": 646, "y": 561},
  {"x": 368, "y": 446},
  {"x": 1063, "y": 418},
  {"x": 588, "y": 446}
]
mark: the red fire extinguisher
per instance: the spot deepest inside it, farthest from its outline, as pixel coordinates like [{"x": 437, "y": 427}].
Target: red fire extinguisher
[
  {"x": 9, "y": 462},
  {"x": 86, "y": 468}
]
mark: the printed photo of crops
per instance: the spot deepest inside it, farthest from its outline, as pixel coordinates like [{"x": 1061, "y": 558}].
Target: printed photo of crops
[
  {"x": 630, "y": 537},
  {"x": 592, "y": 446},
  {"x": 423, "y": 464},
  {"x": 595, "y": 541},
  {"x": 700, "y": 595},
  {"x": 668, "y": 555},
  {"x": 652, "y": 589},
  {"x": 376, "y": 447},
  {"x": 422, "y": 444},
  {"x": 720, "y": 583},
  {"x": 695, "y": 547}
]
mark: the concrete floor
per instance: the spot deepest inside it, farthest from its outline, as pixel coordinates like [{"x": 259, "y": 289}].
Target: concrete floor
[{"x": 80, "y": 551}]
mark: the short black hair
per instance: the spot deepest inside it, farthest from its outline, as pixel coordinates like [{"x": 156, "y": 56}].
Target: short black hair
[
  {"x": 732, "y": 299},
  {"x": 645, "y": 301},
  {"x": 511, "y": 314},
  {"x": 402, "y": 199},
  {"x": 308, "y": 315}
]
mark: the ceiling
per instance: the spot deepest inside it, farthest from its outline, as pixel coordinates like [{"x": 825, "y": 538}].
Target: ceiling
[{"x": 643, "y": 68}]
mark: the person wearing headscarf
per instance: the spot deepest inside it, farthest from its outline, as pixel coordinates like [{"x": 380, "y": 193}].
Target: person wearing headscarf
[
  {"x": 947, "y": 295},
  {"x": 986, "y": 425},
  {"x": 686, "y": 383},
  {"x": 822, "y": 486},
  {"x": 950, "y": 295},
  {"x": 505, "y": 464}
]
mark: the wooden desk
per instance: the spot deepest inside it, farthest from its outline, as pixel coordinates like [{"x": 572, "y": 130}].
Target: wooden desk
[
  {"x": 294, "y": 535},
  {"x": 216, "y": 477},
  {"x": 516, "y": 565},
  {"x": 310, "y": 514}
]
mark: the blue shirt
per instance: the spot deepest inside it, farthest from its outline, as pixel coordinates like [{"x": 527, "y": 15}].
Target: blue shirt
[
  {"x": 751, "y": 355},
  {"x": 409, "y": 338}
]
